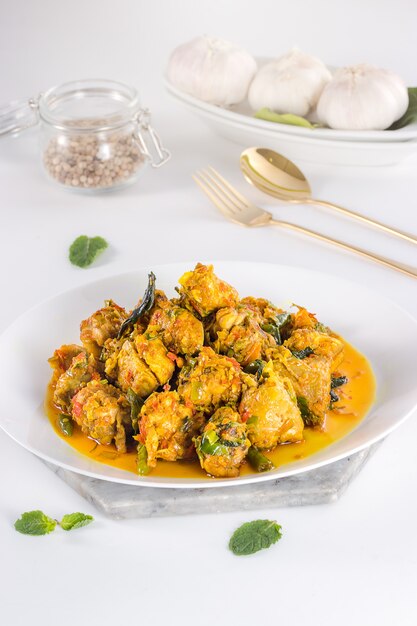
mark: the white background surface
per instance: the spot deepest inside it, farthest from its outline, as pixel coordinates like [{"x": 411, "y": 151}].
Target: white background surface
[{"x": 351, "y": 562}]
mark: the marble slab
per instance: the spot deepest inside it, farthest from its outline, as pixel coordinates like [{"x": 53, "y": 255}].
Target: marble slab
[{"x": 118, "y": 501}]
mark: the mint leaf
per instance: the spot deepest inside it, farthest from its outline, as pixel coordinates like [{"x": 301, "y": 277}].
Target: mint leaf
[
  {"x": 35, "y": 523},
  {"x": 75, "y": 520},
  {"x": 254, "y": 536},
  {"x": 410, "y": 115},
  {"x": 283, "y": 118},
  {"x": 84, "y": 250}
]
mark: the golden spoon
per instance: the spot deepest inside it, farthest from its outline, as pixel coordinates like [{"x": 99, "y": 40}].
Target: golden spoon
[{"x": 277, "y": 176}]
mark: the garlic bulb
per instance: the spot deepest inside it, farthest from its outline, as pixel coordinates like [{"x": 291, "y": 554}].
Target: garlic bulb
[
  {"x": 291, "y": 84},
  {"x": 213, "y": 70},
  {"x": 362, "y": 97}
]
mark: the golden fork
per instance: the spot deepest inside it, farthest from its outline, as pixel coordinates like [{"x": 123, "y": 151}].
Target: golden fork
[{"x": 240, "y": 210}]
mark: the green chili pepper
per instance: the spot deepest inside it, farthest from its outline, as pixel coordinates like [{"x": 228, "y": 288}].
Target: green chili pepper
[
  {"x": 142, "y": 460},
  {"x": 65, "y": 424},
  {"x": 259, "y": 461}
]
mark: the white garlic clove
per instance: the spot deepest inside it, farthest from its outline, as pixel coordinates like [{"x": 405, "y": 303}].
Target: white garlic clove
[
  {"x": 291, "y": 84},
  {"x": 212, "y": 70},
  {"x": 362, "y": 97}
]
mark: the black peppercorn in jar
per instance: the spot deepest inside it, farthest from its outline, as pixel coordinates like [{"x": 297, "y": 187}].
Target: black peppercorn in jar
[{"x": 95, "y": 135}]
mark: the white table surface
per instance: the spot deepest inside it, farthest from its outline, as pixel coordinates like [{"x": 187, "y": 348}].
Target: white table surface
[{"x": 350, "y": 562}]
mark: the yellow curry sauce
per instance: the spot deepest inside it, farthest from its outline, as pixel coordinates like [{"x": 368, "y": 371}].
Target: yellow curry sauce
[{"x": 356, "y": 397}]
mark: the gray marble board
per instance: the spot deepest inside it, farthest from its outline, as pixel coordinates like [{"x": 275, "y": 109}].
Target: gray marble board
[{"x": 118, "y": 501}]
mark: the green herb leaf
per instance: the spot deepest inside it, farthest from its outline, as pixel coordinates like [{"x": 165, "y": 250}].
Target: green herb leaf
[
  {"x": 337, "y": 381},
  {"x": 306, "y": 414},
  {"x": 75, "y": 520},
  {"x": 35, "y": 523},
  {"x": 283, "y": 118},
  {"x": 277, "y": 326},
  {"x": 410, "y": 115},
  {"x": 84, "y": 250},
  {"x": 333, "y": 397},
  {"x": 254, "y": 536},
  {"x": 302, "y": 354},
  {"x": 255, "y": 368}
]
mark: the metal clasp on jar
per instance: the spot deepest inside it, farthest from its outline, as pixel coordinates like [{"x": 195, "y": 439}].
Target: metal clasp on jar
[{"x": 142, "y": 119}]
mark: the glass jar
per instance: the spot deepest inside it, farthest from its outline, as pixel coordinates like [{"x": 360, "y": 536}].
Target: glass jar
[{"x": 95, "y": 136}]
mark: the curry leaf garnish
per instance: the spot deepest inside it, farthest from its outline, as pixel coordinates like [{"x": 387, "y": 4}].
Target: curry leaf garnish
[
  {"x": 337, "y": 381},
  {"x": 254, "y": 536},
  {"x": 276, "y": 326},
  {"x": 255, "y": 368},
  {"x": 84, "y": 250},
  {"x": 306, "y": 414},
  {"x": 75, "y": 520},
  {"x": 410, "y": 115},
  {"x": 302, "y": 354},
  {"x": 35, "y": 523},
  {"x": 145, "y": 306},
  {"x": 333, "y": 396}
]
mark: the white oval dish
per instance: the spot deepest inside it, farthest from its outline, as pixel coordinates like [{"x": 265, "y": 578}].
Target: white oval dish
[
  {"x": 386, "y": 334},
  {"x": 243, "y": 113},
  {"x": 321, "y": 145}
]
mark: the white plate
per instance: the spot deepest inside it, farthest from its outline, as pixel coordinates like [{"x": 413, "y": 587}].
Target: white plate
[
  {"x": 383, "y": 332},
  {"x": 325, "y": 146}
]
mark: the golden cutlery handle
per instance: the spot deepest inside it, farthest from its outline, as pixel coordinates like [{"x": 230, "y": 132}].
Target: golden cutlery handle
[
  {"x": 409, "y": 271},
  {"x": 364, "y": 219}
]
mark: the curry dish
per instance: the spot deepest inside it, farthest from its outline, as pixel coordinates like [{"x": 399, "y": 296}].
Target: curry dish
[{"x": 218, "y": 384}]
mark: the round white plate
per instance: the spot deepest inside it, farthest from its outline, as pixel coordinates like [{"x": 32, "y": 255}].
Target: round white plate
[
  {"x": 325, "y": 146},
  {"x": 386, "y": 334}
]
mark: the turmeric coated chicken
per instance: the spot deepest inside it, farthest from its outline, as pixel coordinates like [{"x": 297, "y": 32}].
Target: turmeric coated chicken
[
  {"x": 81, "y": 370},
  {"x": 202, "y": 374},
  {"x": 223, "y": 443},
  {"x": 167, "y": 427},
  {"x": 311, "y": 379},
  {"x": 62, "y": 358},
  {"x": 102, "y": 325},
  {"x": 125, "y": 367},
  {"x": 179, "y": 329},
  {"x": 203, "y": 292},
  {"x": 237, "y": 333},
  {"x": 270, "y": 412},
  {"x": 103, "y": 413},
  {"x": 210, "y": 381},
  {"x": 320, "y": 344}
]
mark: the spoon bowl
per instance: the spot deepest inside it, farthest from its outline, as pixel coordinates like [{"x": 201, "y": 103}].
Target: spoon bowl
[
  {"x": 265, "y": 168},
  {"x": 279, "y": 177}
]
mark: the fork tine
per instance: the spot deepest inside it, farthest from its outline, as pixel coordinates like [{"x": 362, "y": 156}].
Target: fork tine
[
  {"x": 214, "y": 198},
  {"x": 232, "y": 190},
  {"x": 223, "y": 189},
  {"x": 219, "y": 192}
]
